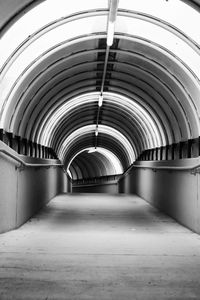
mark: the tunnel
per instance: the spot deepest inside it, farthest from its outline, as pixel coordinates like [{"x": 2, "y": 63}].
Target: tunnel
[{"x": 100, "y": 100}]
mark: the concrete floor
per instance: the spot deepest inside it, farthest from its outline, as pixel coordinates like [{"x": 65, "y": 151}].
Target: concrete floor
[{"x": 100, "y": 247}]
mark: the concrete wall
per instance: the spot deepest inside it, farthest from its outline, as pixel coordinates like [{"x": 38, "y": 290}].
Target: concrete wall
[
  {"x": 111, "y": 188},
  {"x": 177, "y": 193},
  {"x": 24, "y": 191}
]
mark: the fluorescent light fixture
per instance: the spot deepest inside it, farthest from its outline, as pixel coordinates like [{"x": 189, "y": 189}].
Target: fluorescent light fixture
[
  {"x": 111, "y": 21},
  {"x": 100, "y": 100},
  {"x": 110, "y": 33}
]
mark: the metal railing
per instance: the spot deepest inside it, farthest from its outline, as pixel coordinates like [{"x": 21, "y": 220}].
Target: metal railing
[
  {"x": 25, "y": 164},
  {"x": 192, "y": 167},
  {"x": 178, "y": 168},
  {"x": 96, "y": 180}
]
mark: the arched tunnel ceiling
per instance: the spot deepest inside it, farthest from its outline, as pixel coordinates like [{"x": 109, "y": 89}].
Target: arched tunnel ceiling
[
  {"x": 92, "y": 163},
  {"x": 51, "y": 76}
]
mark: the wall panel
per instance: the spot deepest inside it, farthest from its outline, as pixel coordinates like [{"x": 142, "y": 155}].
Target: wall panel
[{"x": 174, "y": 192}]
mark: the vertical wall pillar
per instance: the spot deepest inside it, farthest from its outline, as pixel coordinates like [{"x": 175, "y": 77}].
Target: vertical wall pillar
[
  {"x": 190, "y": 142},
  {"x": 20, "y": 145},
  {"x": 35, "y": 150},
  {"x": 9, "y": 139},
  {"x": 167, "y": 152},
  {"x": 180, "y": 150},
  {"x": 24, "y": 147},
  {"x": 43, "y": 152},
  {"x": 198, "y": 145},
  {"x": 151, "y": 155},
  {"x": 1, "y": 134},
  {"x": 39, "y": 151},
  {"x": 30, "y": 148},
  {"x": 195, "y": 148},
  {"x": 5, "y": 137},
  {"x": 15, "y": 143},
  {"x": 161, "y": 153},
  {"x": 176, "y": 151},
  {"x": 185, "y": 150}
]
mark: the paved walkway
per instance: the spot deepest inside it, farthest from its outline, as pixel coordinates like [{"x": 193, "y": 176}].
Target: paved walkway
[{"x": 100, "y": 247}]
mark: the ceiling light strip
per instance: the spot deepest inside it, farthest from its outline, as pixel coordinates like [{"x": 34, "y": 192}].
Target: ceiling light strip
[{"x": 110, "y": 36}]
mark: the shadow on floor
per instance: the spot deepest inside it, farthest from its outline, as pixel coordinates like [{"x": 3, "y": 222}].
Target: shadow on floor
[{"x": 103, "y": 212}]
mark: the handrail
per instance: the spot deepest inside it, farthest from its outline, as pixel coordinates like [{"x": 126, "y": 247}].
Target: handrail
[
  {"x": 178, "y": 168},
  {"x": 22, "y": 162},
  {"x": 100, "y": 179},
  {"x": 191, "y": 168}
]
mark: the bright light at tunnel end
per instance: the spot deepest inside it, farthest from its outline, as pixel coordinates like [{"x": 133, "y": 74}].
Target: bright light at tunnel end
[
  {"x": 107, "y": 153},
  {"x": 92, "y": 150}
]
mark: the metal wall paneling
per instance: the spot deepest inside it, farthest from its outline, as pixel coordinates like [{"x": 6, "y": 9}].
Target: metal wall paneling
[
  {"x": 156, "y": 153},
  {"x": 195, "y": 148},
  {"x": 35, "y": 150},
  {"x": 15, "y": 143},
  {"x": 190, "y": 143},
  {"x": 9, "y": 139},
  {"x": 46, "y": 152},
  {"x": 30, "y": 148},
  {"x": 176, "y": 151},
  {"x": 39, "y": 151},
  {"x": 199, "y": 146},
  {"x": 180, "y": 150},
  {"x": 43, "y": 152},
  {"x": 185, "y": 150},
  {"x": 24, "y": 146},
  {"x": 1, "y": 134},
  {"x": 161, "y": 153},
  {"x": 167, "y": 152},
  {"x": 6, "y": 138},
  {"x": 20, "y": 146}
]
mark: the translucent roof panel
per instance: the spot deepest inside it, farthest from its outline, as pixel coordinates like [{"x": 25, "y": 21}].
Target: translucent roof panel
[
  {"x": 47, "y": 44},
  {"x": 45, "y": 13},
  {"x": 160, "y": 37},
  {"x": 154, "y": 21},
  {"x": 173, "y": 12}
]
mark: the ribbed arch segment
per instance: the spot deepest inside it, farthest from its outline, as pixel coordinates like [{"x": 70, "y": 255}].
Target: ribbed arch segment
[{"x": 51, "y": 74}]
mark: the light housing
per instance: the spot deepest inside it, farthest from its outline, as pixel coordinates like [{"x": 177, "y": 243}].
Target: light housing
[
  {"x": 111, "y": 21},
  {"x": 110, "y": 33},
  {"x": 100, "y": 100}
]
